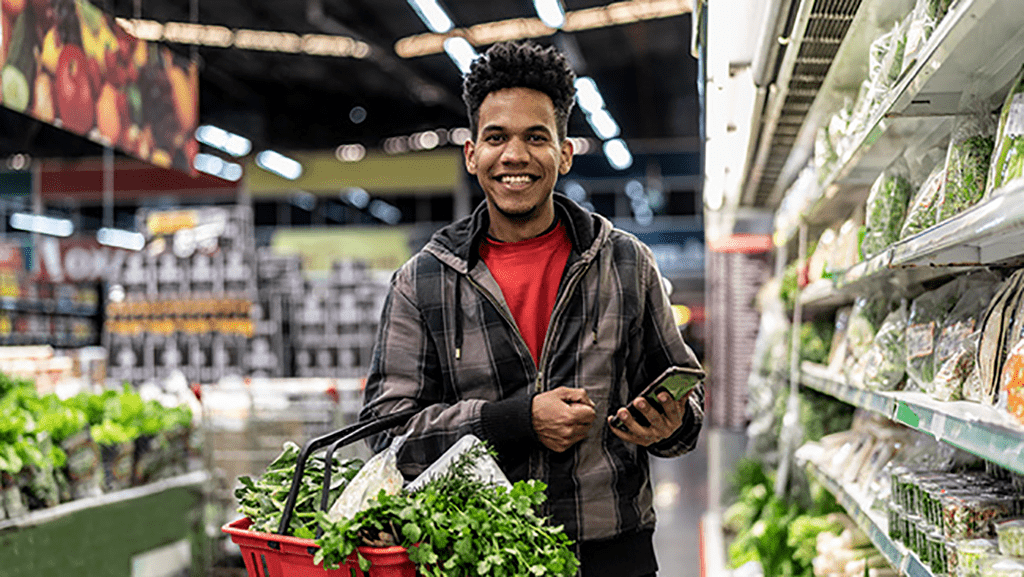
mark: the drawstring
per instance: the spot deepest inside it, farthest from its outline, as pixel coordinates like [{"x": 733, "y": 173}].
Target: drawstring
[
  {"x": 597, "y": 302},
  {"x": 458, "y": 317}
]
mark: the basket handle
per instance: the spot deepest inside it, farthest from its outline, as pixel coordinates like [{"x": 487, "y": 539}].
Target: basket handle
[{"x": 348, "y": 435}]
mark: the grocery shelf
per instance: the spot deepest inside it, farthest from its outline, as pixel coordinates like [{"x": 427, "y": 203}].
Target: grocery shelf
[
  {"x": 874, "y": 525},
  {"x": 981, "y": 430},
  {"x": 42, "y": 516},
  {"x": 52, "y": 307},
  {"x": 972, "y": 55}
]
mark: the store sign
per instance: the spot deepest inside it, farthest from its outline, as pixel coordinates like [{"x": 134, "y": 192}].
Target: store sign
[
  {"x": 79, "y": 70},
  {"x": 77, "y": 260}
]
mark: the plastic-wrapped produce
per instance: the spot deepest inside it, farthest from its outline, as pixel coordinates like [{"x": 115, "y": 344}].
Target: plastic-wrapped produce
[
  {"x": 967, "y": 163},
  {"x": 965, "y": 558},
  {"x": 1008, "y": 154},
  {"x": 1000, "y": 324},
  {"x": 885, "y": 362},
  {"x": 1011, "y": 537},
  {"x": 974, "y": 516},
  {"x": 886, "y": 208},
  {"x": 1002, "y": 567},
  {"x": 1011, "y": 387},
  {"x": 956, "y": 371},
  {"x": 921, "y": 213},
  {"x": 963, "y": 320},
  {"x": 927, "y": 315}
]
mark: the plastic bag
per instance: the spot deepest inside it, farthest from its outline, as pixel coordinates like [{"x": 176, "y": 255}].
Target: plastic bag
[
  {"x": 967, "y": 163},
  {"x": 964, "y": 318},
  {"x": 921, "y": 213},
  {"x": 927, "y": 317},
  {"x": 886, "y": 208},
  {"x": 484, "y": 469},
  {"x": 865, "y": 319},
  {"x": 884, "y": 364},
  {"x": 379, "y": 473},
  {"x": 892, "y": 63},
  {"x": 1008, "y": 154},
  {"x": 952, "y": 375}
]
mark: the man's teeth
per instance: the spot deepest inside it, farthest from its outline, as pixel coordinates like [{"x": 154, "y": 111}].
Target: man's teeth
[{"x": 516, "y": 179}]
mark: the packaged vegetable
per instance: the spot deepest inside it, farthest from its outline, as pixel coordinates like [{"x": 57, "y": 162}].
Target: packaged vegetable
[
  {"x": 997, "y": 566},
  {"x": 885, "y": 363},
  {"x": 1008, "y": 154},
  {"x": 955, "y": 371},
  {"x": 1000, "y": 330},
  {"x": 886, "y": 208},
  {"x": 927, "y": 315},
  {"x": 921, "y": 213},
  {"x": 966, "y": 557},
  {"x": 1011, "y": 537},
  {"x": 964, "y": 319},
  {"x": 967, "y": 162},
  {"x": 1011, "y": 387}
]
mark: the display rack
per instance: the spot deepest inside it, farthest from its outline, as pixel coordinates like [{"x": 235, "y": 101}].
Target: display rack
[
  {"x": 972, "y": 54},
  {"x": 981, "y": 430},
  {"x": 874, "y": 526}
]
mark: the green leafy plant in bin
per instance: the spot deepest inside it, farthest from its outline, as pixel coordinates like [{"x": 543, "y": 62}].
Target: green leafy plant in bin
[{"x": 457, "y": 525}]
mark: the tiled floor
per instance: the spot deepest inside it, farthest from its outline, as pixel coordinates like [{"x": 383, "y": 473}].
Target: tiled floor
[{"x": 680, "y": 498}]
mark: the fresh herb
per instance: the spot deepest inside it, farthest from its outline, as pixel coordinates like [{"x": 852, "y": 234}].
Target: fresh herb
[
  {"x": 886, "y": 209},
  {"x": 262, "y": 500},
  {"x": 921, "y": 213},
  {"x": 966, "y": 172},
  {"x": 457, "y": 525},
  {"x": 1008, "y": 155}
]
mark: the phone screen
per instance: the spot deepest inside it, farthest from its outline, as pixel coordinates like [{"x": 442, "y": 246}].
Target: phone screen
[{"x": 676, "y": 381}]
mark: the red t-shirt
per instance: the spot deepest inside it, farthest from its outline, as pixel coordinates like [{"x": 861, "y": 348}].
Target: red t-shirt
[{"x": 528, "y": 273}]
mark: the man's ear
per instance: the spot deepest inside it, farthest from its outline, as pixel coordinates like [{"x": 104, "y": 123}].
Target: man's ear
[
  {"x": 467, "y": 150},
  {"x": 565, "y": 163}
]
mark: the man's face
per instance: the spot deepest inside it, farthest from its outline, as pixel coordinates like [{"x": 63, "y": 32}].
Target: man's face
[{"x": 517, "y": 156}]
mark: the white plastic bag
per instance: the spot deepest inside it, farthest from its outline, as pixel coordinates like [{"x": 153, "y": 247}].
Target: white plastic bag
[
  {"x": 380, "y": 472},
  {"x": 485, "y": 469}
]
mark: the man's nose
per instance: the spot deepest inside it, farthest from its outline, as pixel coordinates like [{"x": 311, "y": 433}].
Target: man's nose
[{"x": 515, "y": 151}]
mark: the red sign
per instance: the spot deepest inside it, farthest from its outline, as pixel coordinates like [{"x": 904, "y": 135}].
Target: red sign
[{"x": 69, "y": 64}]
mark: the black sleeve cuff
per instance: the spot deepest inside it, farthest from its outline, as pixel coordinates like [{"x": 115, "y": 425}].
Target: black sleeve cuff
[{"x": 508, "y": 424}]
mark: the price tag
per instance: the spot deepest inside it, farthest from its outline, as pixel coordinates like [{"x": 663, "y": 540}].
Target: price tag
[
  {"x": 905, "y": 415},
  {"x": 904, "y": 564}
]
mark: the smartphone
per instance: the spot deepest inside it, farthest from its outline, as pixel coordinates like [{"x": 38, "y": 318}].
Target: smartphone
[{"x": 676, "y": 381}]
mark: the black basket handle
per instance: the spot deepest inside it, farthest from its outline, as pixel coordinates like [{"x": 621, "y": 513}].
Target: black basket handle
[{"x": 341, "y": 437}]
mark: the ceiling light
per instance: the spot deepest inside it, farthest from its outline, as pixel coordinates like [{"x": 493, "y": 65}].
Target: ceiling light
[
  {"x": 618, "y": 154},
  {"x": 357, "y": 197},
  {"x": 588, "y": 95},
  {"x": 431, "y": 13},
  {"x": 550, "y": 12},
  {"x": 47, "y": 225},
  {"x": 461, "y": 52},
  {"x": 279, "y": 164},
  {"x": 385, "y": 212},
  {"x": 603, "y": 124},
  {"x": 459, "y": 136},
  {"x": 216, "y": 166},
  {"x": 223, "y": 140},
  {"x": 357, "y": 115},
  {"x": 350, "y": 152},
  {"x": 119, "y": 238},
  {"x": 615, "y": 14}
]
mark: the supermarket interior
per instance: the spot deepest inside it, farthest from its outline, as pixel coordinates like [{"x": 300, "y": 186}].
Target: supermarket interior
[{"x": 205, "y": 308}]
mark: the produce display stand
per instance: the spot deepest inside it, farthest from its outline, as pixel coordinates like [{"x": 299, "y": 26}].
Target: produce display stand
[
  {"x": 138, "y": 532},
  {"x": 281, "y": 555}
]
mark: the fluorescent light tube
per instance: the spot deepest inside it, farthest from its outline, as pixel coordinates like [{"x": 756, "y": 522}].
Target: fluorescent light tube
[
  {"x": 551, "y": 12},
  {"x": 431, "y": 13},
  {"x": 119, "y": 238},
  {"x": 47, "y": 225},
  {"x": 279, "y": 164},
  {"x": 603, "y": 124},
  {"x": 461, "y": 52},
  {"x": 618, "y": 154}
]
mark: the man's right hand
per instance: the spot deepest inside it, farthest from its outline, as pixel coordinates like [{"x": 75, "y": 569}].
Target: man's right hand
[{"x": 562, "y": 417}]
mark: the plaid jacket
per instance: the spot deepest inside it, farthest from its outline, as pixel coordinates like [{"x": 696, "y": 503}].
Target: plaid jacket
[{"x": 448, "y": 344}]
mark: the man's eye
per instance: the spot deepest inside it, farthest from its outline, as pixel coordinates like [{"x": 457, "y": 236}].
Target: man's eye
[
  {"x": 494, "y": 138},
  {"x": 538, "y": 138}
]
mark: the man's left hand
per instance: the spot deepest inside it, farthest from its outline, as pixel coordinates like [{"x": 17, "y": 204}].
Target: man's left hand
[{"x": 662, "y": 425}]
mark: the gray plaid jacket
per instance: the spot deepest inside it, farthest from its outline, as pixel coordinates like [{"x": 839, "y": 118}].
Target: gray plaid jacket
[{"x": 448, "y": 345}]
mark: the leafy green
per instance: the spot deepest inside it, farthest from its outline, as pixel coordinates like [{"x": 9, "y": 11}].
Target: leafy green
[
  {"x": 886, "y": 208},
  {"x": 262, "y": 500},
  {"x": 458, "y": 525},
  {"x": 966, "y": 172}
]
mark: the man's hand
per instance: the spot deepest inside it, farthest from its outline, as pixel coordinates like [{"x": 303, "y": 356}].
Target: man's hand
[
  {"x": 562, "y": 417},
  {"x": 662, "y": 425}
]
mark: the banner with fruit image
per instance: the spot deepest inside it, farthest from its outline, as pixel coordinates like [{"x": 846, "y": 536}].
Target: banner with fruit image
[{"x": 67, "y": 63}]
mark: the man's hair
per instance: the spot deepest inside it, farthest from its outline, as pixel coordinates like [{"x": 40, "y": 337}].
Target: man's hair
[{"x": 520, "y": 65}]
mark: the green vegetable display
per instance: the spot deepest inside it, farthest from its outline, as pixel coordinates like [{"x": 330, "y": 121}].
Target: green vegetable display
[
  {"x": 885, "y": 362},
  {"x": 966, "y": 172},
  {"x": 886, "y": 209},
  {"x": 458, "y": 525},
  {"x": 262, "y": 500},
  {"x": 1008, "y": 154},
  {"x": 924, "y": 326},
  {"x": 921, "y": 214}
]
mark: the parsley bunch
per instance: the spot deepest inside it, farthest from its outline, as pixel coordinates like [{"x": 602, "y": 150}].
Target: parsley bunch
[{"x": 457, "y": 526}]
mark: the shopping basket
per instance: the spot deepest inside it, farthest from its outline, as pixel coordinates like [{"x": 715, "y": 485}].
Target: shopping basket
[{"x": 281, "y": 555}]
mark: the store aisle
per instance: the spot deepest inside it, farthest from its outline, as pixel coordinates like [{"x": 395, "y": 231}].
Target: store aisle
[{"x": 680, "y": 498}]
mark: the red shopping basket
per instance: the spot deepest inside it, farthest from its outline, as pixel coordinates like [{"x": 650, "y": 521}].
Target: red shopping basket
[{"x": 281, "y": 555}]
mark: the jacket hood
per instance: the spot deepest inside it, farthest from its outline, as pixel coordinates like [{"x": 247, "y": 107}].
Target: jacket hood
[{"x": 456, "y": 244}]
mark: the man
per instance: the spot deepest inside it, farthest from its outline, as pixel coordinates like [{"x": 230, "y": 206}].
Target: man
[{"x": 532, "y": 322}]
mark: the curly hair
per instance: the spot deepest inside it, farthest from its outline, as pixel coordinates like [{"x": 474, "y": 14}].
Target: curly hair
[{"x": 520, "y": 65}]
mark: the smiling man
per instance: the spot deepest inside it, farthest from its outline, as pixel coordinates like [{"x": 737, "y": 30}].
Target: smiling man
[{"x": 532, "y": 322}]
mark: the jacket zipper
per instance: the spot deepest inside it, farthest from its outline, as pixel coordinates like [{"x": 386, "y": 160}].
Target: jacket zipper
[{"x": 559, "y": 307}]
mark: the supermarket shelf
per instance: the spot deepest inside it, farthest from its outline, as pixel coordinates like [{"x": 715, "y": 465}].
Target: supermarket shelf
[
  {"x": 874, "y": 526},
  {"x": 981, "y": 430},
  {"x": 977, "y": 47},
  {"x": 43, "y": 516},
  {"x": 51, "y": 307}
]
